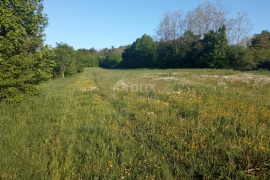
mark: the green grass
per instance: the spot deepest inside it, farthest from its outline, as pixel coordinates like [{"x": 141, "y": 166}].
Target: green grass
[{"x": 191, "y": 127}]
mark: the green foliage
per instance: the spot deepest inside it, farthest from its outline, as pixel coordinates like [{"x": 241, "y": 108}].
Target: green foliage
[
  {"x": 164, "y": 55},
  {"x": 214, "y": 46},
  {"x": 111, "y": 58},
  {"x": 260, "y": 49},
  {"x": 239, "y": 57},
  {"x": 93, "y": 51},
  {"x": 67, "y": 61},
  {"x": 183, "y": 51},
  {"x": 141, "y": 54},
  {"x": 111, "y": 61},
  {"x": 88, "y": 58},
  {"x": 24, "y": 62},
  {"x": 193, "y": 51}
]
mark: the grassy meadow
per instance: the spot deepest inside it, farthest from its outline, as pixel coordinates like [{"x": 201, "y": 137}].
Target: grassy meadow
[{"x": 180, "y": 124}]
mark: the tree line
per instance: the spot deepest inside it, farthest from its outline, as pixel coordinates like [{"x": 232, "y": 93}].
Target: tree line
[
  {"x": 194, "y": 51},
  {"x": 201, "y": 38}
]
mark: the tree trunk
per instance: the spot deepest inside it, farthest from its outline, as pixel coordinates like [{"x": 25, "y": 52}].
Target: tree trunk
[{"x": 62, "y": 72}]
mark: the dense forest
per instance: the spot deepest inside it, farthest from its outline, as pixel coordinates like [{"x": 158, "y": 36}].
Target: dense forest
[{"x": 202, "y": 38}]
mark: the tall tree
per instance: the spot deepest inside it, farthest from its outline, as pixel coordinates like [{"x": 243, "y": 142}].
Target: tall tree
[
  {"x": 179, "y": 14},
  {"x": 163, "y": 31},
  {"x": 171, "y": 26},
  {"x": 23, "y": 63},
  {"x": 141, "y": 54},
  {"x": 239, "y": 28},
  {"x": 207, "y": 16},
  {"x": 214, "y": 49},
  {"x": 65, "y": 59}
]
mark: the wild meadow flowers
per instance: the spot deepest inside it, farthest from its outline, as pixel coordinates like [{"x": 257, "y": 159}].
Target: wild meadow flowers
[{"x": 197, "y": 124}]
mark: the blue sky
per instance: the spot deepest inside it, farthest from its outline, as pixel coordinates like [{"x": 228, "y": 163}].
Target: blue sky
[{"x": 106, "y": 23}]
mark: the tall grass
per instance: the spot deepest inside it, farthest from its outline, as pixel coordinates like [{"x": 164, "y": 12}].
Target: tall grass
[{"x": 200, "y": 124}]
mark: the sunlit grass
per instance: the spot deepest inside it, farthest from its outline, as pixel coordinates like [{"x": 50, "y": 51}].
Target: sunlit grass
[{"x": 197, "y": 124}]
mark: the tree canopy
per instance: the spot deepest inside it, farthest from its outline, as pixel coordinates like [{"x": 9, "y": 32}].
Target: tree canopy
[
  {"x": 142, "y": 53},
  {"x": 24, "y": 61}
]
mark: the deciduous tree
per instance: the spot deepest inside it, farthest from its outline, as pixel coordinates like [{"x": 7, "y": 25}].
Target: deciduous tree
[
  {"x": 239, "y": 28},
  {"x": 66, "y": 60},
  {"x": 141, "y": 54}
]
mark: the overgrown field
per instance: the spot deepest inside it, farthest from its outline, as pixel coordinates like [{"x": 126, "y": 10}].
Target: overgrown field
[{"x": 180, "y": 124}]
